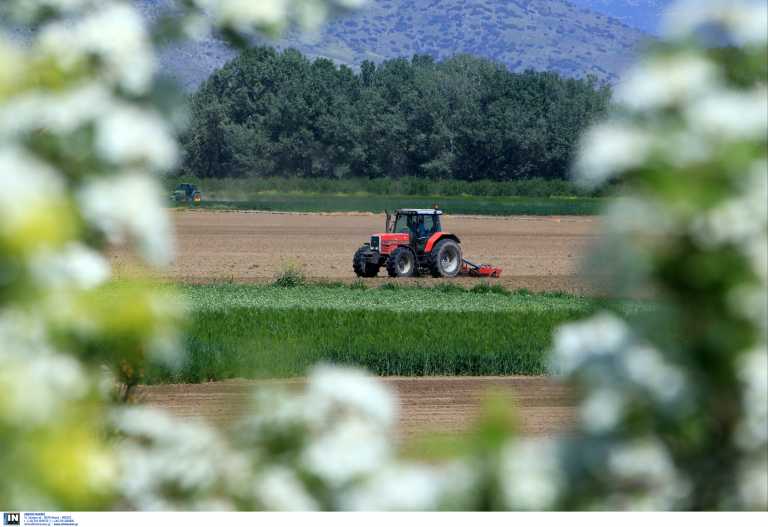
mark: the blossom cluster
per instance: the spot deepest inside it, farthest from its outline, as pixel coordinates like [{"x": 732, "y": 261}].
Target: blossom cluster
[
  {"x": 688, "y": 140},
  {"x": 328, "y": 446},
  {"x": 81, "y": 146}
]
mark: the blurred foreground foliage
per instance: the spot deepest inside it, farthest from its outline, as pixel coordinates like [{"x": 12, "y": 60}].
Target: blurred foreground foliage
[{"x": 666, "y": 420}]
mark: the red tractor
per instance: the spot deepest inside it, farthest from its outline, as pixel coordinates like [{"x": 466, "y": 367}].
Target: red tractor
[{"x": 413, "y": 244}]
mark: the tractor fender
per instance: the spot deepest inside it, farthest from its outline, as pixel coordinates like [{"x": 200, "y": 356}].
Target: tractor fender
[{"x": 437, "y": 237}]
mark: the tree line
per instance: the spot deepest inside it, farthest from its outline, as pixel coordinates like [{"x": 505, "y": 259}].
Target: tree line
[{"x": 269, "y": 113}]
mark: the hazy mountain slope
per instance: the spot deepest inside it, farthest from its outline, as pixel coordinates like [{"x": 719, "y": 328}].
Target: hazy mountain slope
[
  {"x": 540, "y": 34},
  {"x": 642, "y": 14}
]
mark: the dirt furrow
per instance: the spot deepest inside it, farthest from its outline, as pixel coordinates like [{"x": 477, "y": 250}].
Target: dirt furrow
[{"x": 541, "y": 405}]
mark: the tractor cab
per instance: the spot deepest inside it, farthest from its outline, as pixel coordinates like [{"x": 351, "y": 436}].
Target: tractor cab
[
  {"x": 413, "y": 243},
  {"x": 418, "y": 224}
]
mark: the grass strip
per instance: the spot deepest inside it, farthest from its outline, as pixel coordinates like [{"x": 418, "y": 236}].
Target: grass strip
[
  {"x": 487, "y": 206},
  {"x": 266, "y": 331}
]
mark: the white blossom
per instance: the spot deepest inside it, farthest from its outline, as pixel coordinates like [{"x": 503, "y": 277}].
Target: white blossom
[
  {"x": 753, "y": 373},
  {"x": 530, "y": 471},
  {"x": 682, "y": 148},
  {"x": 756, "y": 187},
  {"x": 55, "y": 112},
  {"x": 114, "y": 36},
  {"x": 275, "y": 412},
  {"x": 28, "y": 187},
  {"x": 608, "y": 149},
  {"x": 165, "y": 347},
  {"x": 310, "y": 15},
  {"x": 130, "y": 135},
  {"x": 647, "y": 463},
  {"x": 397, "y": 487},
  {"x": 646, "y": 367},
  {"x": 339, "y": 392},
  {"x": 352, "y": 4},
  {"x": 730, "y": 114},
  {"x": 196, "y": 26},
  {"x": 29, "y": 360},
  {"x": 348, "y": 451},
  {"x": 243, "y": 15},
  {"x": 731, "y": 222},
  {"x": 753, "y": 484},
  {"x": 752, "y": 303},
  {"x": 75, "y": 264},
  {"x": 278, "y": 489},
  {"x": 166, "y": 463},
  {"x": 664, "y": 81},
  {"x": 31, "y": 9},
  {"x": 344, "y": 416},
  {"x": 644, "y": 460},
  {"x": 56, "y": 379},
  {"x": 607, "y": 355},
  {"x": 129, "y": 207},
  {"x": 12, "y": 61},
  {"x": 125, "y": 134},
  {"x": 460, "y": 478},
  {"x": 745, "y": 20},
  {"x": 574, "y": 344},
  {"x": 741, "y": 220},
  {"x": 601, "y": 411}
]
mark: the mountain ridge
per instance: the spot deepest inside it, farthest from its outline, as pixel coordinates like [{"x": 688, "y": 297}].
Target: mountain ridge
[
  {"x": 641, "y": 14},
  {"x": 553, "y": 35}
]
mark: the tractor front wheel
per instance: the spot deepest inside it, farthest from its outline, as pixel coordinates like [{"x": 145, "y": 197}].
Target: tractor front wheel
[
  {"x": 446, "y": 260},
  {"x": 401, "y": 263},
  {"x": 362, "y": 266}
]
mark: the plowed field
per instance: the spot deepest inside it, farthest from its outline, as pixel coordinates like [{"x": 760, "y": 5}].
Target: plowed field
[
  {"x": 428, "y": 404},
  {"x": 541, "y": 253}
]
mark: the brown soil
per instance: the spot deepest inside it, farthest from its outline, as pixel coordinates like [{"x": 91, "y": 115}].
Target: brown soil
[
  {"x": 428, "y": 404},
  {"x": 538, "y": 253}
]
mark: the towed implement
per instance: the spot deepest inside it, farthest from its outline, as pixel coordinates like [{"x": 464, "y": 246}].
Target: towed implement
[
  {"x": 414, "y": 244},
  {"x": 484, "y": 270}
]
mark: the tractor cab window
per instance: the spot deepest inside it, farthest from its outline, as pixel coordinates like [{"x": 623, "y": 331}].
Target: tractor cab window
[
  {"x": 403, "y": 224},
  {"x": 419, "y": 225},
  {"x": 423, "y": 225},
  {"x": 431, "y": 224}
]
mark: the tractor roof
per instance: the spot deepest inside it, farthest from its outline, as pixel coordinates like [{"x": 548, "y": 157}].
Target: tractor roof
[{"x": 418, "y": 211}]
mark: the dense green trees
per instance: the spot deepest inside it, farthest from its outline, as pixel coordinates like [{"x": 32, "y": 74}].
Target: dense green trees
[{"x": 270, "y": 113}]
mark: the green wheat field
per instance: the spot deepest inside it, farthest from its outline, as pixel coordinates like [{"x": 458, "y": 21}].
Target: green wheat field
[{"x": 258, "y": 331}]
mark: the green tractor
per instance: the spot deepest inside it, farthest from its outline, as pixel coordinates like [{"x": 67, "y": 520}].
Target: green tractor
[{"x": 186, "y": 193}]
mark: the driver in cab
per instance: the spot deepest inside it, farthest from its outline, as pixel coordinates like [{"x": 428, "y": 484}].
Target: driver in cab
[{"x": 417, "y": 227}]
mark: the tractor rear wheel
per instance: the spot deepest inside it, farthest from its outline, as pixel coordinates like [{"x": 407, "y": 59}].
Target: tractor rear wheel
[
  {"x": 401, "y": 263},
  {"x": 446, "y": 259},
  {"x": 362, "y": 266}
]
